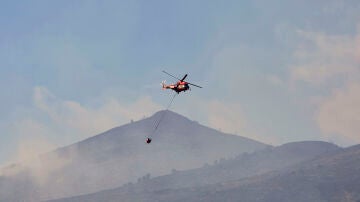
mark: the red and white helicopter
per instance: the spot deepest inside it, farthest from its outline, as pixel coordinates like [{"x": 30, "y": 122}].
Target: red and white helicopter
[{"x": 179, "y": 86}]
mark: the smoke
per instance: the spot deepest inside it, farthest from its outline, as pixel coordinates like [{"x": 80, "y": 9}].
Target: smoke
[
  {"x": 50, "y": 123},
  {"x": 322, "y": 58},
  {"x": 338, "y": 114},
  {"x": 227, "y": 117},
  {"x": 31, "y": 158},
  {"x": 330, "y": 64}
]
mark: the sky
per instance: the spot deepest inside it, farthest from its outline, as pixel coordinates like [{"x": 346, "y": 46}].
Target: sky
[{"x": 275, "y": 71}]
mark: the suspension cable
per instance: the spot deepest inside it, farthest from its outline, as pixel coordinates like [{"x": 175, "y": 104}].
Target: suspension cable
[{"x": 157, "y": 123}]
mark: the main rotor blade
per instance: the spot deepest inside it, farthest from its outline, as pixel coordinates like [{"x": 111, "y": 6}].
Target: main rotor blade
[
  {"x": 194, "y": 85},
  {"x": 184, "y": 77},
  {"x": 171, "y": 75}
]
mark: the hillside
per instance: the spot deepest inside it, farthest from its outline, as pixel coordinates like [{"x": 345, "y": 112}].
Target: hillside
[
  {"x": 199, "y": 184},
  {"x": 331, "y": 178},
  {"x": 120, "y": 155}
]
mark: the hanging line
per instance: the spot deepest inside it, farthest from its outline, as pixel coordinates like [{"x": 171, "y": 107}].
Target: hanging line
[{"x": 163, "y": 114}]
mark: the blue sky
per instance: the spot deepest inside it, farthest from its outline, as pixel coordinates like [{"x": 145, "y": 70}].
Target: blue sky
[{"x": 276, "y": 71}]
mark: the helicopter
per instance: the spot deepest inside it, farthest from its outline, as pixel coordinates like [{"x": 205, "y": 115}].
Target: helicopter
[{"x": 179, "y": 86}]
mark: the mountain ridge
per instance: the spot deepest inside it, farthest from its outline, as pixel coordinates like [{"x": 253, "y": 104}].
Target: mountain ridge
[
  {"x": 120, "y": 155},
  {"x": 244, "y": 167}
]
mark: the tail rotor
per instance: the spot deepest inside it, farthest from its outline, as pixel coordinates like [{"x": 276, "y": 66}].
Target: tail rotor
[{"x": 163, "y": 84}]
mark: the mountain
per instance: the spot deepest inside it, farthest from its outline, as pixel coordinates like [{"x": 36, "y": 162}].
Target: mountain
[
  {"x": 330, "y": 178},
  {"x": 198, "y": 184},
  {"x": 121, "y": 155}
]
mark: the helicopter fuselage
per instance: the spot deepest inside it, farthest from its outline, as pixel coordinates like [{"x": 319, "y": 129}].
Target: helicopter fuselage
[{"x": 178, "y": 87}]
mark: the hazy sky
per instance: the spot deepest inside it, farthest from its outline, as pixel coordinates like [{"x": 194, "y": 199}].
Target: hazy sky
[{"x": 276, "y": 71}]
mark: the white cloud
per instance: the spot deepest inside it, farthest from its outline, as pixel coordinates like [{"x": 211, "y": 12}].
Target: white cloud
[
  {"x": 43, "y": 127},
  {"x": 321, "y": 58},
  {"x": 218, "y": 114},
  {"x": 230, "y": 118},
  {"x": 31, "y": 146},
  {"x": 28, "y": 158},
  {"x": 87, "y": 120},
  {"x": 338, "y": 114},
  {"x": 332, "y": 62},
  {"x": 236, "y": 79},
  {"x": 274, "y": 80},
  {"x": 227, "y": 117},
  {"x": 33, "y": 139}
]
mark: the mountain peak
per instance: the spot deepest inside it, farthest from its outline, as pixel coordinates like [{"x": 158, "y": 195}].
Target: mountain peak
[
  {"x": 121, "y": 155},
  {"x": 168, "y": 114},
  {"x": 168, "y": 120}
]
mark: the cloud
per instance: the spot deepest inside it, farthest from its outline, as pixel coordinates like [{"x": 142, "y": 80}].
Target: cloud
[
  {"x": 275, "y": 80},
  {"x": 230, "y": 118},
  {"x": 29, "y": 157},
  {"x": 90, "y": 120},
  {"x": 30, "y": 148},
  {"x": 218, "y": 114},
  {"x": 338, "y": 114},
  {"x": 331, "y": 63},
  {"x": 236, "y": 80},
  {"x": 52, "y": 122},
  {"x": 321, "y": 58},
  {"x": 44, "y": 126},
  {"x": 227, "y": 117},
  {"x": 32, "y": 139}
]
